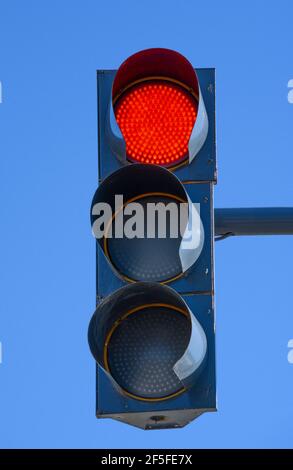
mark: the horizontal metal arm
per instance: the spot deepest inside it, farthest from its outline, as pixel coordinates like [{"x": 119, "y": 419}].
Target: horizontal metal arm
[{"x": 254, "y": 221}]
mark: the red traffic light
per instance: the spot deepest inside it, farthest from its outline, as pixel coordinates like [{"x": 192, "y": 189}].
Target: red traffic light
[
  {"x": 156, "y": 120},
  {"x": 152, "y": 217},
  {"x": 157, "y": 114}
]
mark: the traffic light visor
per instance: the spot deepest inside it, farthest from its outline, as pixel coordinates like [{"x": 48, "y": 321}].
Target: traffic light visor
[
  {"x": 157, "y": 113},
  {"x": 162, "y": 234},
  {"x": 148, "y": 342}
]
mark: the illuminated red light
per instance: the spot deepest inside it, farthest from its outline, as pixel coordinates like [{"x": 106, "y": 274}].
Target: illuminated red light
[{"x": 156, "y": 120}]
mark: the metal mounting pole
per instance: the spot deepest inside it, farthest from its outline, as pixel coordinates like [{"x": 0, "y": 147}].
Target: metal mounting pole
[{"x": 253, "y": 221}]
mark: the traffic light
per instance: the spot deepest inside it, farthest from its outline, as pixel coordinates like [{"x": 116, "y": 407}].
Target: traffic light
[{"x": 152, "y": 334}]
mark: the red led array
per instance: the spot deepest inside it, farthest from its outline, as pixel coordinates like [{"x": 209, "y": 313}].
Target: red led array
[{"x": 156, "y": 120}]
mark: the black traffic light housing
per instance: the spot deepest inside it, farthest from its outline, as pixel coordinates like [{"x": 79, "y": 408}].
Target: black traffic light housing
[{"x": 118, "y": 290}]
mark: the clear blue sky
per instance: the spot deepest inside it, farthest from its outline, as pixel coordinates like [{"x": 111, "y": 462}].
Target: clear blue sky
[{"x": 50, "y": 51}]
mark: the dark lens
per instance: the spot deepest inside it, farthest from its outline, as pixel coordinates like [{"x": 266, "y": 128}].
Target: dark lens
[
  {"x": 144, "y": 347},
  {"x": 149, "y": 259}
]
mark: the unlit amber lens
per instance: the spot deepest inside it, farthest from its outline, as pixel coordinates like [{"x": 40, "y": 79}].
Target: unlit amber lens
[
  {"x": 156, "y": 121},
  {"x": 147, "y": 258}
]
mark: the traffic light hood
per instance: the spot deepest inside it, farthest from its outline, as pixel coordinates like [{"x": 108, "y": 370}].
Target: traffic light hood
[
  {"x": 127, "y": 340},
  {"x": 162, "y": 67},
  {"x": 151, "y": 257}
]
